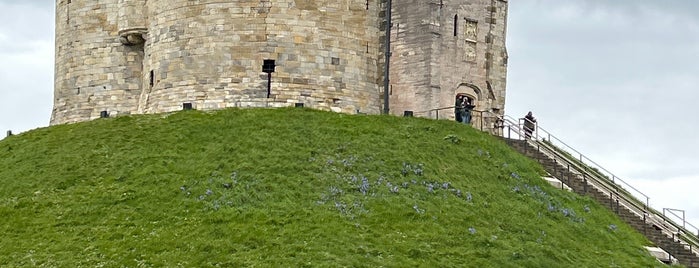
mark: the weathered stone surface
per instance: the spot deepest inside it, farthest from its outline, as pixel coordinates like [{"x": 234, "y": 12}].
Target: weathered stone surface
[
  {"x": 444, "y": 48},
  {"x": 138, "y": 56}
]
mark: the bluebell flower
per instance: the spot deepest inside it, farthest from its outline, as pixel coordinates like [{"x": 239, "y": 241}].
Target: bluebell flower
[
  {"x": 565, "y": 212},
  {"x": 335, "y": 191},
  {"x": 209, "y": 192},
  {"x": 445, "y": 185},
  {"x": 394, "y": 189},
  {"x": 468, "y": 196},
  {"x": 418, "y": 171},
  {"x": 364, "y": 188},
  {"x": 418, "y": 210},
  {"x": 471, "y": 230}
]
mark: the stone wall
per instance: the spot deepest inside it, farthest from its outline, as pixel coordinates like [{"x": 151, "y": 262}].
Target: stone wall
[
  {"x": 93, "y": 71},
  {"x": 444, "y": 48},
  {"x": 138, "y": 56}
]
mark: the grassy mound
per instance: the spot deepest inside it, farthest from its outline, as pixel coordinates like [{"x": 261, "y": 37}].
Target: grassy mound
[{"x": 291, "y": 188}]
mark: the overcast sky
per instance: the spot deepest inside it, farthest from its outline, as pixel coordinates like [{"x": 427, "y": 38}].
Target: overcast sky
[{"x": 617, "y": 80}]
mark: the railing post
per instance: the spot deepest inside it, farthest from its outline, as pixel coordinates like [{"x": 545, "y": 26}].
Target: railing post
[
  {"x": 683, "y": 220},
  {"x": 647, "y": 203},
  {"x": 437, "y": 114},
  {"x": 645, "y": 232},
  {"x": 611, "y": 201}
]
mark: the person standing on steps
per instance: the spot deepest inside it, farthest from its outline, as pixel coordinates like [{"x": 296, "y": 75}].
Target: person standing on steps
[
  {"x": 468, "y": 107},
  {"x": 459, "y": 108},
  {"x": 529, "y": 125}
]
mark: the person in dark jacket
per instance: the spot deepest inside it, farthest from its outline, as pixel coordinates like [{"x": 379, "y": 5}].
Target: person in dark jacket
[
  {"x": 468, "y": 107},
  {"x": 529, "y": 125},
  {"x": 459, "y": 108}
]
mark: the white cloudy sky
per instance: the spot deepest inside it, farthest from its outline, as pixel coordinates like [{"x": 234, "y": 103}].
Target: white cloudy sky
[{"x": 617, "y": 80}]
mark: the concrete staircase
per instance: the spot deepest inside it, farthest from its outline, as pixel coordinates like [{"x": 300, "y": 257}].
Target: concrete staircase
[{"x": 656, "y": 229}]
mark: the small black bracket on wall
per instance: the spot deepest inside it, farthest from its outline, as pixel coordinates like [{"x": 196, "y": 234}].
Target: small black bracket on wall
[{"x": 268, "y": 67}]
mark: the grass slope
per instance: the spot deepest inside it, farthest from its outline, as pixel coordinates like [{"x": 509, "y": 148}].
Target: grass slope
[{"x": 291, "y": 188}]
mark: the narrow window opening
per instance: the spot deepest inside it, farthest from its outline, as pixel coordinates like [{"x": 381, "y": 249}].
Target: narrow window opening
[
  {"x": 367, "y": 4},
  {"x": 152, "y": 78},
  {"x": 456, "y": 24},
  {"x": 335, "y": 61},
  {"x": 68, "y": 13}
]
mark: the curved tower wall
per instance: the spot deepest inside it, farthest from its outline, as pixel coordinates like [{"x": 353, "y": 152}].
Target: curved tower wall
[
  {"x": 93, "y": 71},
  {"x": 444, "y": 48},
  {"x": 151, "y": 56},
  {"x": 137, "y": 56}
]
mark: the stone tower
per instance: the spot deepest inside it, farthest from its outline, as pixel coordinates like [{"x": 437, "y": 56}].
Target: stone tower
[
  {"x": 443, "y": 48},
  {"x": 152, "y": 56}
]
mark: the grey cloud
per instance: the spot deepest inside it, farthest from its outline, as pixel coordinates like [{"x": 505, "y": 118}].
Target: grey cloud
[{"x": 31, "y": 20}]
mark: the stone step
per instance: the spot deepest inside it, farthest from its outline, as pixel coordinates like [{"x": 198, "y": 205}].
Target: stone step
[{"x": 581, "y": 186}]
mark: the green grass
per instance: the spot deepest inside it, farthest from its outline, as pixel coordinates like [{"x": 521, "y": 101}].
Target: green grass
[{"x": 291, "y": 188}]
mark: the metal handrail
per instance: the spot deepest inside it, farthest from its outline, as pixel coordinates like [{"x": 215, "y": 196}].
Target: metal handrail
[
  {"x": 627, "y": 198},
  {"x": 480, "y": 117},
  {"x": 582, "y": 159},
  {"x": 672, "y": 211},
  {"x": 588, "y": 167}
]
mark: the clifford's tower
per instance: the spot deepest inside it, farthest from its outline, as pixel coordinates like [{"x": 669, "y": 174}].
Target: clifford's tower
[{"x": 119, "y": 57}]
